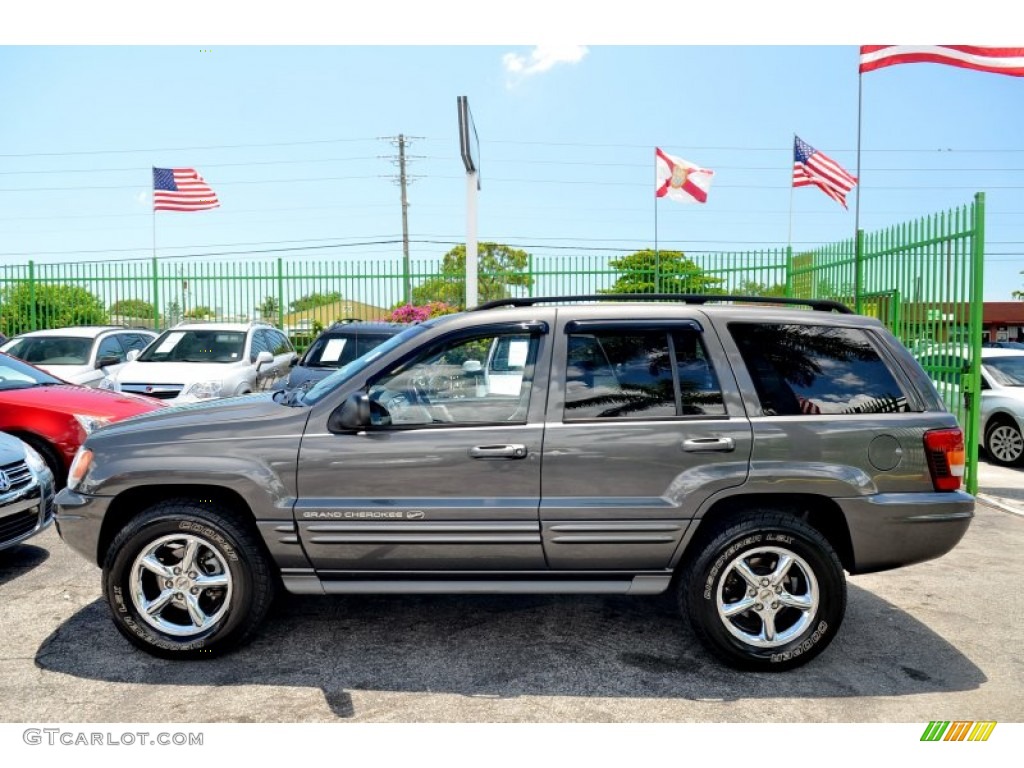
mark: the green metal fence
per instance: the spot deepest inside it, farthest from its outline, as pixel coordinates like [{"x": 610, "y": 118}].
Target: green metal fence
[{"x": 923, "y": 279}]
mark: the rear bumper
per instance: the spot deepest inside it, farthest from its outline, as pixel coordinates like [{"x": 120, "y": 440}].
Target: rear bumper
[{"x": 890, "y": 530}]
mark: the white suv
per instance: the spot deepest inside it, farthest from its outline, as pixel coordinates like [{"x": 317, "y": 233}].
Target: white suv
[
  {"x": 82, "y": 355},
  {"x": 202, "y": 361}
]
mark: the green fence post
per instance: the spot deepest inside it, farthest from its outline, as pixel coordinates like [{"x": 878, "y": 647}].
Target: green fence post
[
  {"x": 156, "y": 296},
  {"x": 789, "y": 271},
  {"x": 32, "y": 296},
  {"x": 977, "y": 291},
  {"x": 858, "y": 279},
  {"x": 280, "y": 293}
]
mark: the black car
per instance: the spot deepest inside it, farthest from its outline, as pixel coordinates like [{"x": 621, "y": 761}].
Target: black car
[
  {"x": 337, "y": 346},
  {"x": 26, "y": 492}
]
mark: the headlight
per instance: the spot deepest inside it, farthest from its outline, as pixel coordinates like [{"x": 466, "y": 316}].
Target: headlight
[
  {"x": 35, "y": 462},
  {"x": 204, "y": 390},
  {"x": 107, "y": 382},
  {"x": 79, "y": 468},
  {"x": 91, "y": 423}
]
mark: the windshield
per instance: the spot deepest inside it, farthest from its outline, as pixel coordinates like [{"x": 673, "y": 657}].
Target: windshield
[
  {"x": 1008, "y": 371},
  {"x": 332, "y": 382},
  {"x": 336, "y": 350},
  {"x": 51, "y": 350},
  {"x": 201, "y": 346},
  {"x": 14, "y": 374}
]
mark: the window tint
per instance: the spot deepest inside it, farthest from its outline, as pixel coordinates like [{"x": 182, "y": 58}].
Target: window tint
[
  {"x": 281, "y": 345},
  {"x": 111, "y": 347},
  {"x": 803, "y": 369},
  {"x": 629, "y": 374},
  {"x": 449, "y": 384},
  {"x": 260, "y": 343},
  {"x": 135, "y": 340}
]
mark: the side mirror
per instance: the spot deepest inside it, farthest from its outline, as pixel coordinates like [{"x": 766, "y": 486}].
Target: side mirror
[
  {"x": 294, "y": 361},
  {"x": 262, "y": 358},
  {"x": 351, "y": 416},
  {"x": 107, "y": 361},
  {"x": 472, "y": 366},
  {"x": 134, "y": 354}
]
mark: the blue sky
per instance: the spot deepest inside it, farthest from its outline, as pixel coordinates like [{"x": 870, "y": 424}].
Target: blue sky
[{"x": 290, "y": 138}]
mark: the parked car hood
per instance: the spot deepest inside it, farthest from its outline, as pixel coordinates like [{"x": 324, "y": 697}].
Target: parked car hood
[
  {"x": 67, "y": 372},
  {"x": 174, "y": 373},
  {"x": 71, "y": 398},
  {"x": 237, "y": 410}
]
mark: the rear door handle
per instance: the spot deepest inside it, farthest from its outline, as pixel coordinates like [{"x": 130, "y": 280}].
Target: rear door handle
[
  {"x": 709, "y": 444},
  {"x": 498, "y": 452}
]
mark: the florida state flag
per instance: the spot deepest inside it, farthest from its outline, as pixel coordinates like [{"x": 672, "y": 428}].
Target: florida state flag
[{"x": 680, "y": 179}]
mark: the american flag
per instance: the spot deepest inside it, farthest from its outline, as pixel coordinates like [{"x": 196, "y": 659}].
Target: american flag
[
  {"x": 811, "y": 167},
  {"x": 181, "y": 189},
  {"x": 1004, "y": 61}
]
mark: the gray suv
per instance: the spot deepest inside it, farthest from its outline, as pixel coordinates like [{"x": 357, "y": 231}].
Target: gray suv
[{"x": 740, "y": 457}]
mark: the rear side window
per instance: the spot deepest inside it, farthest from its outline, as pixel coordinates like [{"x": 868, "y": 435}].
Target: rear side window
[
  {"x": 612, "y": 374},
  {"x": 806, "y": 369}
]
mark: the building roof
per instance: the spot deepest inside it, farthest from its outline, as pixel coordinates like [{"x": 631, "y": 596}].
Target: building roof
[{"x": 328, "y": 314}]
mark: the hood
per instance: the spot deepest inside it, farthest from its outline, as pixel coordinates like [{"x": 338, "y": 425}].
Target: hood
[
  {"x": 208, "y": 413},
  {"x": 137, "y": 372},
  {"x": 69, "y": 398},
  {"x": 300, "y": 375},
  {"x": 11, "y": 450}
]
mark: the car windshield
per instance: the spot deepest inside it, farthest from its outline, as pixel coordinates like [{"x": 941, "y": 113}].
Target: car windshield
[
  {"x": 199, "y": 346},
  {"x": 333, "y": 350},
  {"x": 1008, "y": 371},
  {"x": 14, "y": 374},
  {"x": 332, "y": 382},
  {"x": 51, "y": 350}
]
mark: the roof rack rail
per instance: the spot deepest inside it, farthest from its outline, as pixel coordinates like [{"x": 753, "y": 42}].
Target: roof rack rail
[{"x": 820, "y": 305}]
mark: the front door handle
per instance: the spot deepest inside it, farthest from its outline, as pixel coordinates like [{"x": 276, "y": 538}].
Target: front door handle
[
  {"x": 709, "y": 444},
  {"x": 498, "y": 452}
]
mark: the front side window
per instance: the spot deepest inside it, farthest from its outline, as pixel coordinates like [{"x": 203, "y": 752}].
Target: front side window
[
  {"x": 1007, "y": 371},
  {"x": 111, "y": 347},
  {"x": 805, "y": 369},
  {"x": 200, "y": 346},
  {"x": 450, "y": 384},
  {"x": 640, "y": 375}
]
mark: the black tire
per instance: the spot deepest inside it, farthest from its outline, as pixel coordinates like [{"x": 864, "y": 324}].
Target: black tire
[
  {"x": 51, "y": 457},
  {"x": 758, "y": 539},
  {"x": 1004, "y": 442},
  {"x": 226, "y": 550}
]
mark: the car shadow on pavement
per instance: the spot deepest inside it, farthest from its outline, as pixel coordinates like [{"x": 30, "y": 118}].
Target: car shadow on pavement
[
  {"x": 20, "y": 559},
  {"x": 504, "y": 647}
]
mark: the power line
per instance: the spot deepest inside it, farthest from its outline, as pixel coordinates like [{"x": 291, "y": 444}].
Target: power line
[{"x": 184, "y": 149}]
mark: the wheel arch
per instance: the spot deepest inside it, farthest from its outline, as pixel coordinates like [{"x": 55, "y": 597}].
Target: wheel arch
[
  {"x": 820, "y": 512},
  {"x": 135, "y": 501}
]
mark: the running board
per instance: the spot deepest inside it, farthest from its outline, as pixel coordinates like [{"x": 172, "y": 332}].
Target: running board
[{"x": 308, "y": 583}]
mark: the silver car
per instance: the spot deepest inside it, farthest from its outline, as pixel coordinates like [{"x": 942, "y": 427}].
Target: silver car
[{"x": 26, "y": 492}]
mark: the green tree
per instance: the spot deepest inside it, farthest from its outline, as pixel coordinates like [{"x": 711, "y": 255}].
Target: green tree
[
  {"x": 52, "y": 306},
  {"x": 172, "y": 314},
  {"x": 133, "y": 308},
  {"x": 199, "y": 313},
  {"x": 269, "y": 308},
  {"x": 313, "y": 300},
  {"x": 754, "y": 288},
  {"x": 1019, "y": 295},
  {"x": 499, "y": 269},
  {"x": 676, "y": 273}
]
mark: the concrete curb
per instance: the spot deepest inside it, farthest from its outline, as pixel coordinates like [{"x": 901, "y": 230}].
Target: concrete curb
[{"x": 1006, "y": 505}]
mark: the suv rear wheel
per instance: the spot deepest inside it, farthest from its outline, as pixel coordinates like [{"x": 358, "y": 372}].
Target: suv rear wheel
[
  {"x": 764, "y": 592},
  {"x": 186, "y": 580}
]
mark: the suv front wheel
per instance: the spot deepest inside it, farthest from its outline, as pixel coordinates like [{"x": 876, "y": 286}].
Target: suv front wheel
[
  {"x": 765, "y": 592},
  {"x": 187, "y": 580}
]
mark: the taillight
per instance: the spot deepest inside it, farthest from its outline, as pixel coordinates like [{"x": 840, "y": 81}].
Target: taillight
[{"x": 945, "y": 451}]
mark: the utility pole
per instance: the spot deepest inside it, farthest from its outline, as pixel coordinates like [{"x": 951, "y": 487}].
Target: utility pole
[{"x": 404, "y": 180}]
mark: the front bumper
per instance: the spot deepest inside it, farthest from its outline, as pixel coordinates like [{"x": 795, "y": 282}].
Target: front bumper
[
  {"x": 80, "y": 520},
  {"x": 890, "y": 530},
  {"x": 26, "y": 514}
]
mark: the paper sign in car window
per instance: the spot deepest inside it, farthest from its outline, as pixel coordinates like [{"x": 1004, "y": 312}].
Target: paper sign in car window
[
  {"x": 517, "y": 351},
  {"x": 169, "y": 343},
  {"x": 332, "y": 352}
]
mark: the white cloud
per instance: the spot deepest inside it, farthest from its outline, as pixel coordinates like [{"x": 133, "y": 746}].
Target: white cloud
[
  {"x": 541, "y": 59},
  {"x": 143, "y": 198}
]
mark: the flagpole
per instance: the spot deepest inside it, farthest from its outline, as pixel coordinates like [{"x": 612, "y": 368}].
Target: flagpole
[
  {"x": 789, "y": 237},
  {"x": 657, "y": 255},
  {"x": 857, "y": 255}
]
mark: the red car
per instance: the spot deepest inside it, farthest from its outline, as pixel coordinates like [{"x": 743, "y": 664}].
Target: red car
[{"x": 53, "y": 416}]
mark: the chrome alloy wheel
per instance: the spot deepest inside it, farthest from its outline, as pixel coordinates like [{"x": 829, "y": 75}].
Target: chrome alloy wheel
[
  {"x": 180, "y": 585},
  {"x": 767, "y": 597},
  {"x": 1006, "y": 443}
]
